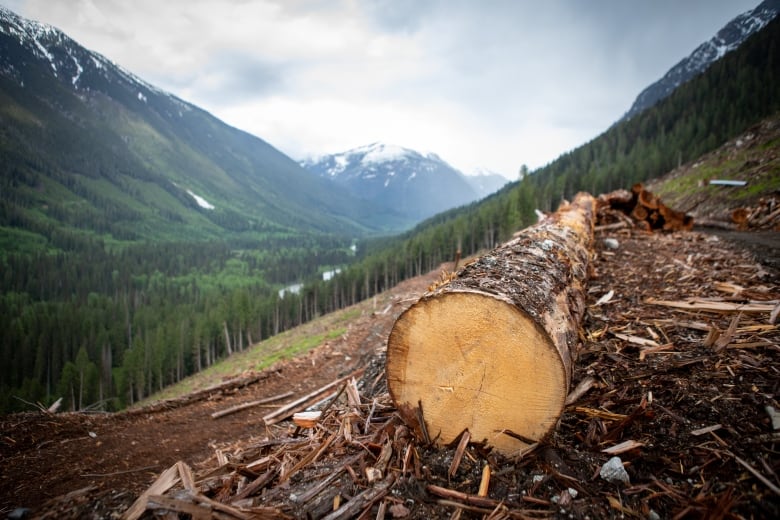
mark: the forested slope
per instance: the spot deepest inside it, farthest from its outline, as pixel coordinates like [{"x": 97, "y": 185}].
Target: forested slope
[
  {"x": 734, "y": 93},
  {"x": 114, "y": 325}
]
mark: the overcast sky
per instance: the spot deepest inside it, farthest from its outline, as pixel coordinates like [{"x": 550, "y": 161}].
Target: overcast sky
[{"x": 482, "y": 83}]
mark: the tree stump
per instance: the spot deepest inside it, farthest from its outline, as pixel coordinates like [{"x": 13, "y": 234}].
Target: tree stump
[{"x": 491, "y": 350}]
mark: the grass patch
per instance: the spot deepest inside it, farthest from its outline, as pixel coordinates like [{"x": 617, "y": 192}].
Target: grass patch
[
  {"x": 296, "y": 348},
  {"x": 263, "y": 355}
]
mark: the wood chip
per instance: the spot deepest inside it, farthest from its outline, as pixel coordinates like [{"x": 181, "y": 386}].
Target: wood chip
[
  {"x": 484, "y": 483},
  {"x": 714, "y": 306},
  {"x": 306, "y": 419},
  {"x": 637, "y": 340},
  {"x": 659, "y": 349},
  {"x": 581, "y": 389},
  {"x": 604, "y": 299},
  {"x": 623, "y": 447},
  {"x": 601, "y": 414},
  {"x": 164, "y": 482},
  {"x": 462, "y": 444},
  {"x": 708, "y": 429}
]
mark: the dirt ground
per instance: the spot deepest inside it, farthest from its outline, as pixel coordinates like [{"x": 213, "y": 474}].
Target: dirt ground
[
  {"x": 117, "y": 456},
  {"x": 690, "y": 390}
]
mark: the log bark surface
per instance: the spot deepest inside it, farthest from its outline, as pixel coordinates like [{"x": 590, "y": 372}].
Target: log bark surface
[{"x": 491, "y": 350}]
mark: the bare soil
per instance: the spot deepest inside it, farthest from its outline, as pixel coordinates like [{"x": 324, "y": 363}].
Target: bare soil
[
  {"x": 117, "y": 456},
  {"x": 694, "y": 405}
]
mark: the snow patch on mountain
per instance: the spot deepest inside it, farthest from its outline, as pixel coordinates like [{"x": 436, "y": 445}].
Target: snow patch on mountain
[
  {"x": 203, "y": 203},
  {"x": 81, "y": 68},
  {"x": 726, "y": 40},
  {"x": 486, "y": 181},
  {"x": 379, "y": 153},
  {"x": 413, "y": 183}
]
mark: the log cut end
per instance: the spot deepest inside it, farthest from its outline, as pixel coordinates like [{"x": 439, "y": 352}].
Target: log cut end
[{"x": 474, "y": 361}]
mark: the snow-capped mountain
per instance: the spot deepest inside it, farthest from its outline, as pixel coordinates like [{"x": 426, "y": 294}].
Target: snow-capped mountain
[
  {"x": 416, "y": 184},
  {"x": 486, "y": 182},
  {"x": 140, "y": 162},
  {"x": 69, "y": 62},
  {"x": 727, "y": 39}
]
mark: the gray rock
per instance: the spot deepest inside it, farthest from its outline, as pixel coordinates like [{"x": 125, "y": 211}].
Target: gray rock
[{"x": 614, "y": 472}]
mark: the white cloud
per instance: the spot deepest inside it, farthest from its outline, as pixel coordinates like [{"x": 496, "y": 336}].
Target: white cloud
[{"x": 491, "y": 83}]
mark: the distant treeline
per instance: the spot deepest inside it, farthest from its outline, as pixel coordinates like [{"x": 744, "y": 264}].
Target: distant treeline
[
  {"x": 96, "y": 326},
  {"x": 734, "y": 93}
]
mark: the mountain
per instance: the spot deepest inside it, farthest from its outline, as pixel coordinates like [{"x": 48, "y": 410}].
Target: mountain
[
  {"x": 486, "y": 182},
  {"x": 415, "y": 184},
  {"x": 89, "y": 149},
  {"x": 726, "y": 40}
]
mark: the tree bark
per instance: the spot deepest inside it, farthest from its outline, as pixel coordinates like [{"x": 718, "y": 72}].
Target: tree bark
[
  {"x": 227, "y": 339},
  {"x": 491, "y": 349}
]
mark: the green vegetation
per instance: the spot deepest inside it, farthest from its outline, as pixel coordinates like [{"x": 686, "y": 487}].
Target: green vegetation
[
  {"x": 266, "y": 353},
  {"x": 303, "y": 345},
  {"x": 109, "y": 298},
  {"x": 752, "y": 159},
  {"x": 733, "y": 94}
]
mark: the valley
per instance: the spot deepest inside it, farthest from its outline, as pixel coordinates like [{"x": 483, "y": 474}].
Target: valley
[
  {"x": 154, "y": 239},
  {"x": 158, "y": 265},
  {"x": 79, "y": 465}
]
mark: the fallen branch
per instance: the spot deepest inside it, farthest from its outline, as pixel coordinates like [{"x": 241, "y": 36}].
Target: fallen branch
[
  {"x": 113, "y": 473},
  {"x": 472, "y": 500},
  {"x": 714, "y": 306},
  {"x": 768, "y": 483},
  {"x": 363, "y": 500},
  {"x": 300, "y": 404},
  {"x": 250, "y": 404}
]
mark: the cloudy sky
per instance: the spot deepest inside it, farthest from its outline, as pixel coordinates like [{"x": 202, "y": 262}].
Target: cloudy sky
[{"x": 482, "y": 83}]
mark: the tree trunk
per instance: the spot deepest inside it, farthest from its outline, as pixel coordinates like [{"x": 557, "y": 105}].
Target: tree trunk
[
  {"x": 491, "y": 350},
  {"x": 227, "y": 339}
]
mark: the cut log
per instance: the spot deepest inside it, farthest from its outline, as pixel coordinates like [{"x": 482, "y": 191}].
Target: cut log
[
  {"x": 490, "y": 351},
  {"x": 640, "y": 212},
  {"x": 645, "y": 208},
  {"x": 739, "y": 216},
  {"x": 645, "y": 198}
]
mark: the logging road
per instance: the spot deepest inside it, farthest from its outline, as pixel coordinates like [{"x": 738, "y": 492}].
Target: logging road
[{"x": 765, "y": 245}]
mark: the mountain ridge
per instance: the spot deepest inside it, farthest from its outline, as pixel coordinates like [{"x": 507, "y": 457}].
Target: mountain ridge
[
  {"x": 419, "y": 184},
  {"x": 80, "y": 131},
  {"x": 728, "y": 38}
]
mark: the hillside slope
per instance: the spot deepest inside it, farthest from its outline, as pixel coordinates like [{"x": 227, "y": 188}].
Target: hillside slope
[
  {"x": 752, "y": 157},
  {"x": 88, "y": 147},
  {"x": 726, "y": 40},
  {"x": 664, "y": 399}
]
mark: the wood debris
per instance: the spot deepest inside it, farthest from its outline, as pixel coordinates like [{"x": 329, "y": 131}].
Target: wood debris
[
  {"x": 250, "y": 404},
  {"x": 764, "y": 215},
  {"x": 685, "y": 423},
  {"x": 639, "y": 208},
  {"x": 694, "y": 425}
]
